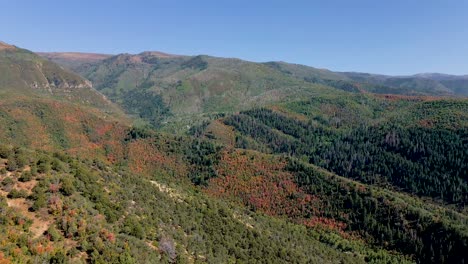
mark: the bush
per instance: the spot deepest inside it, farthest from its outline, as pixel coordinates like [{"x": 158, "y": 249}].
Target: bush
[
  {"x": 21, "y": 158},
  {"x": 5, "y": 151},
  {"x": 43, "y": 165},
  {"x": 33, "y": 170},
  {"x": 167, "y": 246},
  {"x": 39, "y": 202},
  {"x": 12, "y": 165},
  {"x": 54, "y": 233},
  {"x": 8, "y": 181},
  {"x": 133, "y": 227},
  {"x": 3, "y": 202},
  {"x": 14, "y": 194},
  {"x": 25, "y": 176},
  {"x": 67, "y": 188}
]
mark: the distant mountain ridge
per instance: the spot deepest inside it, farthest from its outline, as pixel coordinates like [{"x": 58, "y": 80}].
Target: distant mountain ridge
[
  {"x": 437, "y": 84},
  {"x": 71, "y": 60},
  {"x": 156, "y": 86},
  {"x": 425, "y": 83}
]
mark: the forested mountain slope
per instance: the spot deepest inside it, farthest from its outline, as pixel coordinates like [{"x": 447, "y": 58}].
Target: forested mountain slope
[
  {"x": 419, "y": 84},
  {"x": 78, "y": 184},
  {"x": 282, "y": 163},
  {"x": 395, "y": 145}
]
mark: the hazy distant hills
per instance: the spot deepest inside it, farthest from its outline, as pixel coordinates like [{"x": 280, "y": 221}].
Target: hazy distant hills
[
  {"x": 73, "y": 60},
  {"x": 419, "y": 84}
]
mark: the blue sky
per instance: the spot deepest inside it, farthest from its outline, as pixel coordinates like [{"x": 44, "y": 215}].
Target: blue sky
[{"x": 377, "y": 36}]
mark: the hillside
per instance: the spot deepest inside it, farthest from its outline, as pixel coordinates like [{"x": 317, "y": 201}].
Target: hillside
[
  {"x": 23, "y": 73},
  {"x": 59, "y": 209},
  {"x": 401, "y": 163}
]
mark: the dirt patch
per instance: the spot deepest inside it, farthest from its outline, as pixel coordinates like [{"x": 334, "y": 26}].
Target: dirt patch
[
  {"x": 39, "y": 226},
  {"x": 27, "y": 186},
  {"x": 174, "y": 194}
]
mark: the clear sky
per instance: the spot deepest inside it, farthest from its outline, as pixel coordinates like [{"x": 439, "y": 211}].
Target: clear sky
[{"x": 377, "y": 36}]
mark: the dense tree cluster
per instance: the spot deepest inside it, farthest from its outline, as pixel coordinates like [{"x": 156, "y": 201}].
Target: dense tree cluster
[
  {"x": 426, "y": 162},
  {"x": 417, "y": 160}
]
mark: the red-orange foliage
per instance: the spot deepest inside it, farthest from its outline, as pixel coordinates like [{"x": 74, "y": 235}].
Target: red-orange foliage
[
  {"x": 3, "y": 259},
  {"x": 147, "y": 156},
  {"x": 261, "y": 182},
  {"x": 39, "y": 248},
  {"x": 326, "y": 223},
  {"x": 107, "y": 235}
]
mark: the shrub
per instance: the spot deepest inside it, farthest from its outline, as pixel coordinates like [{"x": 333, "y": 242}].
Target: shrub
[
  {"x": 43, "y": 165},
  {"x": 25, "y": 176},
  {"x": 8, "y": 181},
  {"x": 39, "y": 202},
  {"x": 12, "y": 165},
  {"x": 5, "y": 152},
  {"x": 14, "y": 193},
  {"x": 133, "y": 227},
  {"x": 67, "y": 188},
  {"x": 53, "y": 233},
  {"x": 33, "y": 170},
  {"x": 21, "y": 158},
  {"x": 167, "y": 246}
]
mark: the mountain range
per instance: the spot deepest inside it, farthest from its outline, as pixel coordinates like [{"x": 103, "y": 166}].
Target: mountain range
[
  {"x": 181, "y": 89},
  {"x": 164, "y": 158}
]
